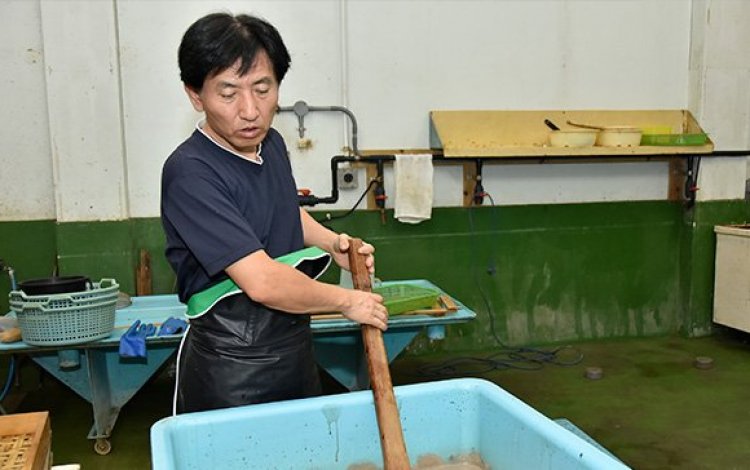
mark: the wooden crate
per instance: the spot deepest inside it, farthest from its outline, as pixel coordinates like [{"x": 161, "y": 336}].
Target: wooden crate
[{"x": 25, "y": 441}]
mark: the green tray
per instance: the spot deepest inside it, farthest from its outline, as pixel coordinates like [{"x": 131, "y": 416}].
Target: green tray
[
  {"x": 674, "y": 139},
  {"x": 400, "y": 298}
]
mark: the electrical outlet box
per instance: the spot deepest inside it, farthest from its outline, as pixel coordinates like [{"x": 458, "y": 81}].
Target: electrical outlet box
[{"x": 346, "y": 178}]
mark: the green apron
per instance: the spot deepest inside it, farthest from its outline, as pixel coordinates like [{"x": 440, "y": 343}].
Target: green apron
[{"x": 312, "y": 261}]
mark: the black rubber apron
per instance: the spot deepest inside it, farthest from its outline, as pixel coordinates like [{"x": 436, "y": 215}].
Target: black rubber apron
[
  {"x": 243, "y": 353},
  {"x": 239, "y": 352}
]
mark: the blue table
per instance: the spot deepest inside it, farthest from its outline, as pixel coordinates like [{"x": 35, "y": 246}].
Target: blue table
[{"x": 96, "y": 372}]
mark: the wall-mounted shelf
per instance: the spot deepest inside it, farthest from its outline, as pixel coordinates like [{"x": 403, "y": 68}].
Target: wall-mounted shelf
[
  {"x": 474, "y": 138},
  {"x": 519, "y": 134},
  {"x": 683, "y": 167}
]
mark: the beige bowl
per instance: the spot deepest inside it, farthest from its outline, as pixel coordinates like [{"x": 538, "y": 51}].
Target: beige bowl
[
  {"x": 573, "y": 138},
  {"x": 619, "y": 137}
]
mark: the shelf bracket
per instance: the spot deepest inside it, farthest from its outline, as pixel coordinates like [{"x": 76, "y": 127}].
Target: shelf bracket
[{"x": 691, "y": 179}]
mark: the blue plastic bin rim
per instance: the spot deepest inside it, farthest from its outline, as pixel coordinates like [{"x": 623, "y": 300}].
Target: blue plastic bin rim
[{"x": 537, "y": 422}]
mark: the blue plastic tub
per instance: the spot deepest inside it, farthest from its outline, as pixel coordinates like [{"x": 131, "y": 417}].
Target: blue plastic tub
[{"x": 450, "y": 417}]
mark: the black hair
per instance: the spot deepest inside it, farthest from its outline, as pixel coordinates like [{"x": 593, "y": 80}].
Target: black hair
[{"x": 215, "y": 42}]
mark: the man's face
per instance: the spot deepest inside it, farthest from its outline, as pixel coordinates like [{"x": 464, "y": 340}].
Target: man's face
[{"x": 239, "y": 110}]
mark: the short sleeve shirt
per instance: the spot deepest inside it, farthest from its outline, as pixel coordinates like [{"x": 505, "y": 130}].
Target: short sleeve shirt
[{"x": 217, "y": 207}]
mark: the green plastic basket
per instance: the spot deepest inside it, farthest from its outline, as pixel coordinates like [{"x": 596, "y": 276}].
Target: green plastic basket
[
  {"x": 400, "y": 298},
  {"x": 66, "y": 319},
  {"x": 677, "y": 140}
]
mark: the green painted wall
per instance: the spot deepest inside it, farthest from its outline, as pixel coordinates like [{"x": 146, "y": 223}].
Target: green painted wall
[
  {"x": 698, "y": 247},
  {"x": 30, "y": 249},
  {"x": 534, "y": 274},
  {"x": 542, "y": 274},
  {"x": 112, "y": 249}
]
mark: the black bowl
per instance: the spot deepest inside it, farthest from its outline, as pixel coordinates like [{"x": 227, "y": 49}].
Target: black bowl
[{"x": 54, "y": 285}]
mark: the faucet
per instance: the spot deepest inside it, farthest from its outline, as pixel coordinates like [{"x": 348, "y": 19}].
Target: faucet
[{"x": 11, "y": 274}]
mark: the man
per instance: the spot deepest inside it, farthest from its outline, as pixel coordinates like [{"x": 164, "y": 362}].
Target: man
[{"x": 230, "y": 214}]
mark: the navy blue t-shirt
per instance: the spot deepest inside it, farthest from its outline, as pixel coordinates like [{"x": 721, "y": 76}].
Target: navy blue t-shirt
[{"x": 217, "y": 208}]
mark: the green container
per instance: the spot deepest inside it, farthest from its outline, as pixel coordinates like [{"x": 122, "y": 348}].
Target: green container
[
  {"x": 400, "y": 298},
  {"x": 674, "y": 139}
]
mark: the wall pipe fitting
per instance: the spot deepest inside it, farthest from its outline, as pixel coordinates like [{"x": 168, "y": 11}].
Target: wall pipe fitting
[
  {"x": 478, "y": 187},
  {"x": 380, "y": 196},
  {"x": 311, "y": 200},
  {"x": 301, "y": 109},
  {"x": 11, "y": 274}
]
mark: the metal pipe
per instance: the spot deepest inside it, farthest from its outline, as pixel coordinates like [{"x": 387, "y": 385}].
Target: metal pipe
[
  {"x": 379, "y": 159},
  {"x": 380, "y": 196},
  {"x": 479, "y": 194},
  {"x": 730, "y": 153},
  {"x": 311, "y": 200},
  {"x": 352, "y": 118},
  {"x": 11, "y": 274},
  {"x": 301, "y": 109}
]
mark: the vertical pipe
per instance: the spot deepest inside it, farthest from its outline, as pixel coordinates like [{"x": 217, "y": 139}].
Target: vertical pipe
[{"x": 344, "y": 56}]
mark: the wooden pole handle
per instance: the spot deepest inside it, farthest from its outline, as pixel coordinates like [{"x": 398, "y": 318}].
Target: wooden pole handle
[
  {"x": 391, "y": 435},
  {"x": 143, "y": 284}
]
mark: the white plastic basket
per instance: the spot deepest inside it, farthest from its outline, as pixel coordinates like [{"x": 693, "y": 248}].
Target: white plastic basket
[{"x": 66, "y": 319}]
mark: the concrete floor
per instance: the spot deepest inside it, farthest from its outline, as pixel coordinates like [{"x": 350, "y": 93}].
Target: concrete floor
[{"x": 652, "y": 409}]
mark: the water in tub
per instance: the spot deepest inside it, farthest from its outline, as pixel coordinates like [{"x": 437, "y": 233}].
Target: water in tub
[{"x": 471, "y": 461}]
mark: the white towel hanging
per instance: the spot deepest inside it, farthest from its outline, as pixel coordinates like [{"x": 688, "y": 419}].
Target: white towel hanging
[{"x": 413, "y": 200}]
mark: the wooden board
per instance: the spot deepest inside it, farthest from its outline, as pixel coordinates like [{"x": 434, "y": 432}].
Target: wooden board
[
  {"x": 524, "y": 134},
  {"x": 677, "y": 174}
]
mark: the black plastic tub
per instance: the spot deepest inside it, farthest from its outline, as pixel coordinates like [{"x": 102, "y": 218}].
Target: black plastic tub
[{"x": 54, "y": 285}]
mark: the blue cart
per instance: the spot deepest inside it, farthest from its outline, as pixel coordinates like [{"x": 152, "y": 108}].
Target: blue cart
[{"x": 96, "y": 372}]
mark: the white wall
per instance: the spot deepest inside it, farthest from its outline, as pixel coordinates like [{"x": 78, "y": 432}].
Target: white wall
[
  {"x": 410, "y": 58},
  {"x": 85, "y": 116},
  {"x": 116, "y": 106},
  {"x": 158, "y": 116},
  {"x": 26, "y": 188},
  {"x": 720, "y": 91}
]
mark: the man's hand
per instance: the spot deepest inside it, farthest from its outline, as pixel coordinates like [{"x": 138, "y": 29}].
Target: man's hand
[
  {"x": 340, "y": 253},
  {"x": 366, "y": 308}
]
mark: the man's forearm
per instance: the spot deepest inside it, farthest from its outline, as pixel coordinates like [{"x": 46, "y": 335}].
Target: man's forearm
[
  {"x": 316, "y": 234},
  {"x": 282, "y": 287}
]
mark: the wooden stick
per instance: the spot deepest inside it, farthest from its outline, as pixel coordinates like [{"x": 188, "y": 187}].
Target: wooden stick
[
  {"x": 448, "y": 302},
  {"x": 143, "y": 279},
  {"x": 391, "y": 435}
]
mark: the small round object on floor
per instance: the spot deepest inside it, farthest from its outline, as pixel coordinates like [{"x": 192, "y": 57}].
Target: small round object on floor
[
  {"x": 594, "y": 373},
  {"x": 102, "y": 446},
  {"x": 703, "y": 362}
]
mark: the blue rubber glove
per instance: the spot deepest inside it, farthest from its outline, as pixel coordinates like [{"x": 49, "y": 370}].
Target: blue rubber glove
[
  {"x": 172, "y": 326},
  {"x": 133, "y": 342}
]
